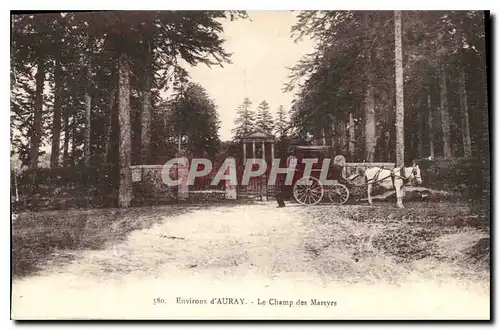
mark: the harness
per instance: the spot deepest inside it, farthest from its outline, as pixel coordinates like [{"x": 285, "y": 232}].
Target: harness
[
  {"x": 393, "y": 177},
  {"x": 404, "y": 179},
  {"x": 375, "y": 177}
]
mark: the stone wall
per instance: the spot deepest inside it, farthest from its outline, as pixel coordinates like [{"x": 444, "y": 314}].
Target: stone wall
[{"x": 148, "y": 185}]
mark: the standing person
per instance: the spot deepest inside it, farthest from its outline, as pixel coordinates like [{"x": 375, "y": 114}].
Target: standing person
[
  {"x": 280, "y": 194},
  {"x": 283, "y": 191},
  {"x": 279, "y": 197},
  {"x": 281, "y": 187}
]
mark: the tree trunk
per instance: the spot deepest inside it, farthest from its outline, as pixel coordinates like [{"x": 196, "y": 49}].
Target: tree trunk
[
  {"x": 145, "y": 86},
  {"x": 445, "y": 115},
  {"x": 338, "y": 136},
  {"x": 430, "y": 126},
  {"x": 485, "y": 136},
  {"x": 327, "y": 134},
  {"x": 370, "y": 120},
  {"x": 73, "y": 142},
  {"x": 109, "y": 126},
  {"x": 88, "y": 106},
  {"x": 146, "y": 103},
  {"x": 125, "y": 143},
  {"x": 56, "y": 125},
  {"x": 465, "y": 115},
  {"x": 343, "y": 136},
  {"x": 37, "y": 118},
  {"x": 146, "y": 126},
  {"x": 420, "y": 137},
  {"x": 332, "y": 134},
  {"x": 400, "y": 146},
  {"x": 66, "y": 138},
  {"x": 318, "y": 137},
  {"x": 352, "y": 137}
]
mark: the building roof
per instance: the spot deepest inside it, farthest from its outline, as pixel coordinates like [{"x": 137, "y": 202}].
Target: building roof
[{"x": 257, "y": 135}]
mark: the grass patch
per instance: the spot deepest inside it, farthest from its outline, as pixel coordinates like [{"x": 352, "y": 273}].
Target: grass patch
[
  {"x": 406, "y": 243},
  {"x": 363, "y": 243},
  {"x": 480, "y": 252}
]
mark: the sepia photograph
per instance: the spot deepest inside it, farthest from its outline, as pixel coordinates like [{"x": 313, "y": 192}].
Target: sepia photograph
[{"x": 250, "y": 165}]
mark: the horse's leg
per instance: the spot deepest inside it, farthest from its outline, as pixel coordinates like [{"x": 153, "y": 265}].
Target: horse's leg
[
  {"x": 403, "y": 191},
  {"x": 369, "y": 191},
  {"x": 399, "y": 199}
]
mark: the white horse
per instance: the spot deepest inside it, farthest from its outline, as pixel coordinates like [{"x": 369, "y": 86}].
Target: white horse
[{"x": 396, "y": 178}]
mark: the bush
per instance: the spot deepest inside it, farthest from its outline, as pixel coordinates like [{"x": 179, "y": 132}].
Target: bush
[
  {"x": 61, "y": 188},
  {"x": 468, "y": 177}
]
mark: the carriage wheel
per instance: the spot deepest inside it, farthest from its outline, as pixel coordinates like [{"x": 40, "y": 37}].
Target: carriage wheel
[
  {"x": 338, "y": 194},
  {"x": 308, "y": 191}
]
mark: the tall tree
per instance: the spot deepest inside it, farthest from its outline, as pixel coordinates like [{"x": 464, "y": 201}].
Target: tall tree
[
  {"x": 334, "y": 79},
  {"x": 165, "y": 36},
  {"x": 88, "y": 108},
  {"x": 430, "y": 123},
  {"x": 56, "y": 125},
  {"x": 400, "y": 147},
  {"x": 445, "y": 115},
  {"x": 60, "y": 30},
  {"x": 281, "y": 123},
  {"x": 245, "y": 120},
  {"x": 352, "y": 136},
  {"x": 109, "y": 126},
  {"x": 193, "y": 116},
  {"x": 147, "y": 84},
  {"x": 31, "y": 45},
  {"x": 264, "y": 119},
  {"x": 370, "y": 119},
  {"x": 340, "y": 76},
  {"x": 125, "y": 187},
  {"x": 464, "y": 110},
  {"x": 37, "y": 121}
]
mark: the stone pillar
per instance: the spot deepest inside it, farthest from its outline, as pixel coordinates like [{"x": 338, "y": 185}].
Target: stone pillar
[
  {"x": 253, "y": 149},
  {"x": 183, "y": 188},
  {"x": 244, "y": 152},
  {"x": 263, "y": 150},
  {"x": 231, "y": 192},
  {"x": 272, "y": 152}
]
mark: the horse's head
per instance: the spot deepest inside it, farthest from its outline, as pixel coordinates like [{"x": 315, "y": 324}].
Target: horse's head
[{"x": 415, "y": 173}]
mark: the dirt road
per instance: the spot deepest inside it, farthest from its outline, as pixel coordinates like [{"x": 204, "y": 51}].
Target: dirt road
[{"x": 338, "y": 266}]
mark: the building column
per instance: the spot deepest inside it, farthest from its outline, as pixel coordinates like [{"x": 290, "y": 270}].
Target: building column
[
  {"x": 244, "y": 152},
  {"x": 263, "y": 186},
  {"x": 272, "y": 151},
  {"x": 253, "y": 149}
]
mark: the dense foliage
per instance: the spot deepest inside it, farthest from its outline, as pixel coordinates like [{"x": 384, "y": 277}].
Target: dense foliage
[{"x": 351, "y": 72}]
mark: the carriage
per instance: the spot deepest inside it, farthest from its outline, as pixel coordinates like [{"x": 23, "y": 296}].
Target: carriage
[
  {"x": 321, "y": 185},
  {"x": 325, "y": 181}
]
